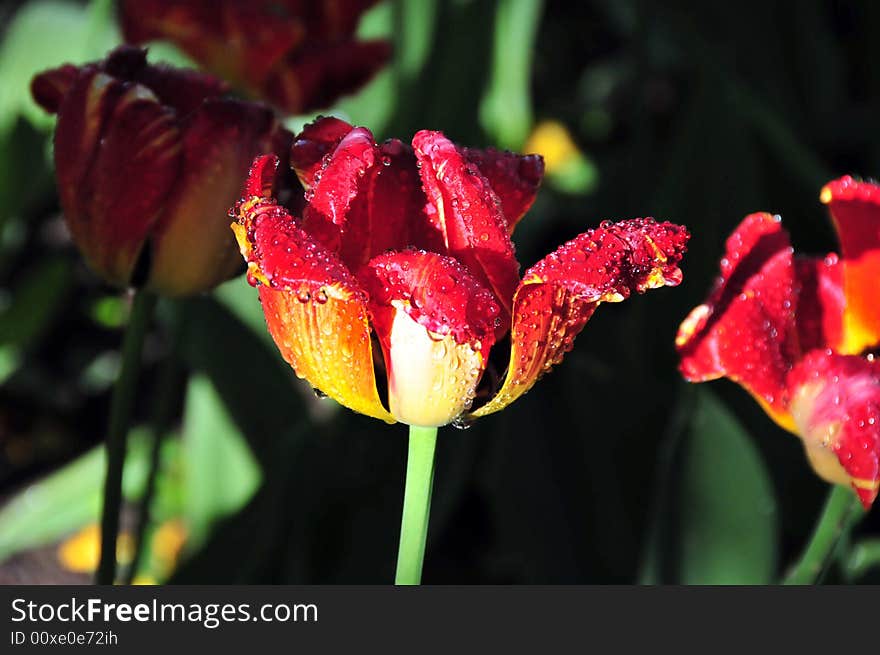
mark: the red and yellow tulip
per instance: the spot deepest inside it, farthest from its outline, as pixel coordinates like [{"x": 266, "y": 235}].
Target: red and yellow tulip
[
  {"x": 148, "y": 160},
  {"x": 411, "y": 246},
  {"x": 298, "y": 55},
  {"x": 798, "y": 333}
]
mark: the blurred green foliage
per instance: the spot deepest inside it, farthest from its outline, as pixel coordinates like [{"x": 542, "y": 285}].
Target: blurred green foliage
[
  {"x": 611, "y": 470},
  {"x": 67, "y": 499},
  {"x": 715, "y": 515},
  {"x": 220, "y": 472}
]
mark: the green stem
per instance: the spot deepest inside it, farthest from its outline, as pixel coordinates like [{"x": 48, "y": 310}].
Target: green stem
[
  {"x": 840, "y": 513},
  {"x": 170, "y": 388},
  {"x": 416, "y": 505},
  {"x": 117, "y": 431}
]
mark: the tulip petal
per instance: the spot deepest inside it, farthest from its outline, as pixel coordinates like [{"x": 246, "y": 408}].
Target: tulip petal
[
  {"x": 298, "y": 55},
  {"x": 331, "y": 19},
  {"x": 316, "y": 75},
  {"x": 436, "y": 324},
  {"x": 365, "y": 198},
  {"x": 437, "y": 292},
  {"x": 387, "y": 208},
  {"x": 745, "y": 331},
  {"x": 468, "y": 214},
  {"x": 241, "y": 41},
  {"x": 314, "y": 308},
  {"x": 388, "y": 205},
  {"x": 180, "y": 88},
  {"x": 261, "y": 177},
  {"x": 821, "y": 302},
  {"x": 49, "y": 87},
  {"x": 514, "y": 178},
  {"x": 334, "y": 188},
  {"x": 835, "y": 400},
  {"x": 83, "y": 114},
  {"x": 193, "y": 247},
  {"x": 117, "y": 152},
  {"x": 312, "y": 144},
  {"x": 559, "y": 294},
  {"x": 855, "y": 209}
]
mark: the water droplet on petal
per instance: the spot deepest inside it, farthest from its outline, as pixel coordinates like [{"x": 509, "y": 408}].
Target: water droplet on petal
[{"x": 462, "y": 423}]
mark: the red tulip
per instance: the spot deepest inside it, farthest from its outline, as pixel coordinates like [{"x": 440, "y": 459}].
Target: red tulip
[
  {"x": 798, "y": 334},
  {"x": 148, "y": 160},
  {"x": 299, "y": 55},
  {"x": 412, "y": 246}
]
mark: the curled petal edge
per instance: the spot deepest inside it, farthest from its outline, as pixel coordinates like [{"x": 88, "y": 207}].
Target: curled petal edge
[
  {"x": 558, "y": 295},
  {"x": 745, "y": 331}
]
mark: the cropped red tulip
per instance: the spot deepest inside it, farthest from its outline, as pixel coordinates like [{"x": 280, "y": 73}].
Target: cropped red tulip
[
  {"x": 412, "y": 246},
  {"x": 799, "y": 332},
  {"x": 148, "y": 160},
  {"x": 299, "y": 55}
]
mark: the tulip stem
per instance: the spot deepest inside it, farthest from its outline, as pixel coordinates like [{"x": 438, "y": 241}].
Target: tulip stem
[
  {"x": 416, "y": 505},
  {"x": 170, "y": 387},
  {"x": 840, "y": 514},
  {"x": 117, "y": 430}
]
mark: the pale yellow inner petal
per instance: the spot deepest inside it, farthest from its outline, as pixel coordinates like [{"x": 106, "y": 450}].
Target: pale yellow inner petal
[{"x": 432, "y": 379}]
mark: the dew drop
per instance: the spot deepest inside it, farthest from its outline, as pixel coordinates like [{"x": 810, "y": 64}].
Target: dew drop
[{"x": 462, "y": 423}]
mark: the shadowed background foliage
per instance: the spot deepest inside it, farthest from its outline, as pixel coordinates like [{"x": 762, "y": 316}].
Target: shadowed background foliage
[{"x": 611, "y": 470}]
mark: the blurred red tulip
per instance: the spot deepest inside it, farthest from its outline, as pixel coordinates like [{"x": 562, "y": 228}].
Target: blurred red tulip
[
  {"x": 296, "y": 54},
  {"x": 148, "y": 160},
  {"x": 413, "y": 245},
  {"x": 799, "y": 333}
]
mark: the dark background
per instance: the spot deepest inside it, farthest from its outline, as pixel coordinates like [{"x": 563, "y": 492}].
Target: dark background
[{"x": 612, "y": 469}]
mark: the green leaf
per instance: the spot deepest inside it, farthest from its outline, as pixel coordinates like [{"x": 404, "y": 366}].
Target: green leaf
[
  {"x": 242, "y": 300},
  {"x": 44, "y": 35},
  {"x": 373, "y": 105},
  {"x": 863, "y": 561},
  {"x": 109, "y": 311},
  {"x": 10, "y": 359},
  {"x": 163, "y": 52},
  {"x": 414, "y": 22},
  {"x": 35, "y": 299},
  {"x": 442, "y": 61},
  {"x": 102, "y": 372},
  {"x": 578, "y": 176},
  {"x": 221, "y": 474},
  {"x": 716, "y": 518},
  {"x": 67, "y": 499},
  {"x": 25, "y": 177},
  {"x": 256, "y": 385},
  {"x": 506, "y": 110}
]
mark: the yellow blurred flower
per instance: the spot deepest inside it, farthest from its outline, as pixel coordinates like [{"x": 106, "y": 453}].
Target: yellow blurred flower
[
  {"x": 553, "y": 141},
  {"x": 566, "y": 167},
  {"x": 168, "y": 541},
  {"x": 144, "y": 579},
  {"x": 80, "y": 553}
]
